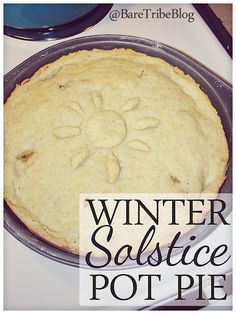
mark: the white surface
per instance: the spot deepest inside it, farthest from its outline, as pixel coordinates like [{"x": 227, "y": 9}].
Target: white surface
[
  {"x": 33, "y": 281},
  {"x": 195, "y": 39}
]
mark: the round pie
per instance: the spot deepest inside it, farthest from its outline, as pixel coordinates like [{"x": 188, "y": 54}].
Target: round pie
[{"x": 106, "y": 121}]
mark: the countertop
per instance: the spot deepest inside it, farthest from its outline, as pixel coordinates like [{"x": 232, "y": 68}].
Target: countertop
[{"x": 224, "y": 13}]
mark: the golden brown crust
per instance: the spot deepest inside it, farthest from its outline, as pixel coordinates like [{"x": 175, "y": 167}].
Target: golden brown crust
[
  {"x": 35, "y": 227},
  {"x": 188, "y": 87}
]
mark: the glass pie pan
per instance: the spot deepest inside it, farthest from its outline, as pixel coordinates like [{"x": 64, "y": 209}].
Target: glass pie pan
[{"x": 218, "y": 91}]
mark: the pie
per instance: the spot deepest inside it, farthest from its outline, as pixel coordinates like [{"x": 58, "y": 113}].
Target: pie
[{"x": 106, "y": 121}]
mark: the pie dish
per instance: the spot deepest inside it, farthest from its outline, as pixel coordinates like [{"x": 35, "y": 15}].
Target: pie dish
[{"x": 103, "y": 121}]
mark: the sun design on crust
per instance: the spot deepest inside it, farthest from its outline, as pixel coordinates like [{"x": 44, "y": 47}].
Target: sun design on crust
[{"x": 105, "y": 129}]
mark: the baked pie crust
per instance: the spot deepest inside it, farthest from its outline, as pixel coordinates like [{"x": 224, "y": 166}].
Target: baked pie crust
[{"x": 106, "y": 121}]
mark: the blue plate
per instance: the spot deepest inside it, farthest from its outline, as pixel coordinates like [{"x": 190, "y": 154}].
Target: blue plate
[
  {"x": 51, "y": 21},
  {"x": 43, "y": 15}
]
